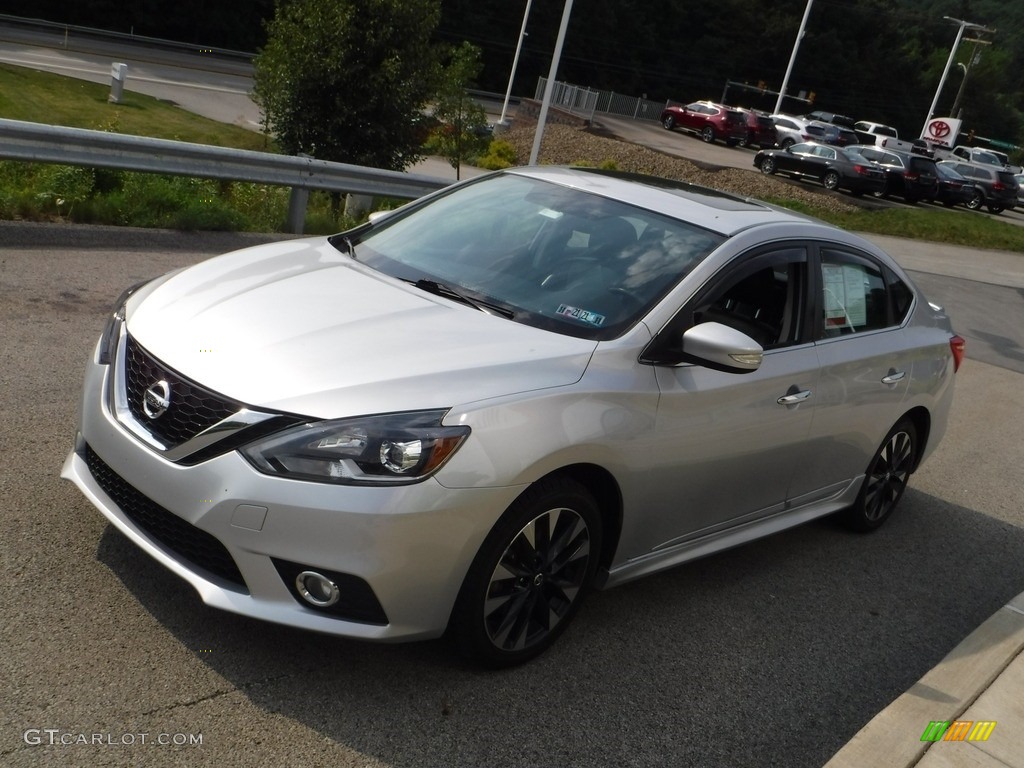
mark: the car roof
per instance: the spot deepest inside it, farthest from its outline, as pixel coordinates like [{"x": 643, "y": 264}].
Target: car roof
[{"x": 711, "y": 209}]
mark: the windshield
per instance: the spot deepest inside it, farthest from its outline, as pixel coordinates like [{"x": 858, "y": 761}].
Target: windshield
[{"x": 550, "y": 256}]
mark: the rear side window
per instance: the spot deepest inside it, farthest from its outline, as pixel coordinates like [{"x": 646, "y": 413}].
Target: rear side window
[{"x": 855, "y": 298}]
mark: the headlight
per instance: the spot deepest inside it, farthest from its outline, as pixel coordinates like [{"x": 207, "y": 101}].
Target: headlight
[
  {"x": 112, "y": 330},
  {"x": 391, "y": 449}
]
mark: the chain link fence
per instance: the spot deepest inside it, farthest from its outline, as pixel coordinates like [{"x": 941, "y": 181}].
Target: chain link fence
[{"x": 585, "y": 102}]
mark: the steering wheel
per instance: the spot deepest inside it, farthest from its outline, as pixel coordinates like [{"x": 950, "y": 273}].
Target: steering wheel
[{"x": 565, "y": 270}]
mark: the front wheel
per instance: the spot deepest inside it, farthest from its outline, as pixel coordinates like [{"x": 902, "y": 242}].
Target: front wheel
[
  {"x": 530, "y": 576},
  {"x": 669, "y": 122},
  {"x": 768, "y": 166},
  {"x": 976, "y": 201},
  {"x": 830, "y": 180},
  {"x": 885, "y": 480}
]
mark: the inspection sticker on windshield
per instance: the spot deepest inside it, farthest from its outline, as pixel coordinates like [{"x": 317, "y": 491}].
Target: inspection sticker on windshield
[{"x": 580, "y": 314}]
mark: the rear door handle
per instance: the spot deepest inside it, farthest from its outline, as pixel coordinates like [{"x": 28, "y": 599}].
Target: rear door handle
[{"x": 893, "y": 377}]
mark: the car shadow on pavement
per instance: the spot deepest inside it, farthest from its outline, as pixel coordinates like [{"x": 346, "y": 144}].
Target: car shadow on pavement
[{"x": 774, "y": 653}]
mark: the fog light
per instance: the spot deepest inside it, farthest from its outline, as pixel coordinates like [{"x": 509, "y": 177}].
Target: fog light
[{"x": 316, "y": 589}]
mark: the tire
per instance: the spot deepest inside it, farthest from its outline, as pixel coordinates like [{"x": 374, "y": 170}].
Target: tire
[
  {"x": 768, "y": 166},
  {"x": 885, "y": 480},
  {"x": 708, "y": 134},
  {"x": 976, "y": 201},
  {"x": 669, "y": 123},
  {"x": 830, "y": 180},
  {"x": 883, "y": 192},
  {"x": 787, "y": 142},
  {"x": 996, "y": 208},
  {"x": 536, "y": 565},
  {"x": 746, "y": 141}
]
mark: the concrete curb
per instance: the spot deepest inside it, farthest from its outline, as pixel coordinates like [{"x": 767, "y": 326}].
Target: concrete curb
[{"x": 893, "y": 737}]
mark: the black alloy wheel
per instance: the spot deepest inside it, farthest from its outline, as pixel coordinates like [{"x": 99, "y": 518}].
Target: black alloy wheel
[
  {"x": 885, "y": 480},
  {"x": 530, "y": 576}
]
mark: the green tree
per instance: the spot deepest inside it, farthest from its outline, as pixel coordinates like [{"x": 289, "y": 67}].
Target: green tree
[
  {"x": 345, "y": 80},
  {"x": 462, "y": 131}
]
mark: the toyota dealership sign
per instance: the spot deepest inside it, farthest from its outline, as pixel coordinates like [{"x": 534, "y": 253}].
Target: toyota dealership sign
[{"x": 941, "y": 132}]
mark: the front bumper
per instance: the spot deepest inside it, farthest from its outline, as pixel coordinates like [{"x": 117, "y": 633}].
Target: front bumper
[{"x": 412, "y": 545}]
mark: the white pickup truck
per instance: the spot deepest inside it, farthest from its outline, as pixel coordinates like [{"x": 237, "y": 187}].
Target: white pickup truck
[{"x": 887, "y": 137}]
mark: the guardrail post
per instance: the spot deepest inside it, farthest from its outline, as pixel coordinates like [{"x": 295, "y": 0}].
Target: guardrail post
[{"x": 297, "y": 202}]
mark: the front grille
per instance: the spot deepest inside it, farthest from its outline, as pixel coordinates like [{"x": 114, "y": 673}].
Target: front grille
[
  {"x": 192, "y": 409},
  {"x": 197, "y": 546}
]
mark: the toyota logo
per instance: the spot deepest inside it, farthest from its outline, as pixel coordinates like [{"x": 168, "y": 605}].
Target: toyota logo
[
  {"x": 157, "y": 399},
  {"x": 939, "y": 129}
]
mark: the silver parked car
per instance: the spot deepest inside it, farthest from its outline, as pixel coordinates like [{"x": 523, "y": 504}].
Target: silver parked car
[{"x": 466, "y": 414}]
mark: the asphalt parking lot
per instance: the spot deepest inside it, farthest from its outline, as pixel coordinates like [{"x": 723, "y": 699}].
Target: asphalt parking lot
[{"x": 772, "y": 654}]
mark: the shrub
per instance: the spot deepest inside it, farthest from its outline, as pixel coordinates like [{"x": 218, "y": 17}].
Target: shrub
[{"x": 500, "y": 154}]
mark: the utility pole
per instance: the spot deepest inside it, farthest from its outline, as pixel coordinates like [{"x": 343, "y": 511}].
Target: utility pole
[
  {"x": 975, "y": 58},
  {"x": 550, "y": 86}
]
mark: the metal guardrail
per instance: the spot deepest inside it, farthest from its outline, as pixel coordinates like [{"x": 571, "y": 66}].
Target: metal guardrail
[{"x": 34, "y": 142}]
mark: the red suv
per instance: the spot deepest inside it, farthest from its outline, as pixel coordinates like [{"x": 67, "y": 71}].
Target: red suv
[{"x": 708, "y": 120}]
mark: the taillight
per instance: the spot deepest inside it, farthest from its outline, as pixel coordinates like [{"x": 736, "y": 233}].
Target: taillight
[
  {"x": 861, "y": 169},
  {"x": 956, "y": 346},
  {"x": 998, "y": 186},
  {"x": 913, "y": 176}
]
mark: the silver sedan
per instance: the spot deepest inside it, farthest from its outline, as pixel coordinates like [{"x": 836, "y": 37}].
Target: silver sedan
[{"x": 470, "y": 412}]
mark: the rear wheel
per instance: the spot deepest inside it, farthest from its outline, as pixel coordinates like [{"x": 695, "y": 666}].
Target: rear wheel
[
  {"x": 885, "y": 480},
  {"x": 996, "y": 208},
  {"x": 708, "y": 134},
  {"x": 788, "y": 142},
  {"x": 830, "y": 180},
  {"x": 530, "y": 576}
]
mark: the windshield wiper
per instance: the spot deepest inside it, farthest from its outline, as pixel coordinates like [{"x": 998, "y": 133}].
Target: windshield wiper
[{"x": 446, "y": 291}]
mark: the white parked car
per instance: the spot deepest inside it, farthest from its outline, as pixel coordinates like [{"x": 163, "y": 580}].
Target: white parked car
[{"x": 471, "y": 411}]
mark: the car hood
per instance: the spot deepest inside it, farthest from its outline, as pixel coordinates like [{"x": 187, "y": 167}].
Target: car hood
[{"x": 296, "y": 326}]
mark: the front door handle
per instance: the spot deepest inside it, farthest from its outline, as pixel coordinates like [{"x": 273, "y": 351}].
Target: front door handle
[{"x": 794, "y": 398}]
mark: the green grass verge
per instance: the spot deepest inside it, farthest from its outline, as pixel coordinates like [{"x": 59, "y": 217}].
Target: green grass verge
[
  {"x": 42, "y": 97},
  {"x": 46, "y": 192}
]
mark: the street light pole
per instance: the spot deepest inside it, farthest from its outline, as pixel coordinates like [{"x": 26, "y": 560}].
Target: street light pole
[
  {"x": 792, "y": 58},
  {"x": 949, "y": 63},
  {"x": 515, "y": 63},
  {"x": 550, "y": 86}
]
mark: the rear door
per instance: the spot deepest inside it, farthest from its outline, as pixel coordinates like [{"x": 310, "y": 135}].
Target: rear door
[{"x": 865, "y": 368}]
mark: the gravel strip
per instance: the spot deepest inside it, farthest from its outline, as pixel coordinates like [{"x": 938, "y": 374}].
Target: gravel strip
[{"x": 565, "y": 145}]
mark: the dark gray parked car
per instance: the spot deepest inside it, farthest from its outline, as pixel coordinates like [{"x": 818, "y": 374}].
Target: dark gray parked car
[{"x": 994, "y": 187}]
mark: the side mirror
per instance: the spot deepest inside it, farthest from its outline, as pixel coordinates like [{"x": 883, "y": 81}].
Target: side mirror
[{"x": 722, "y": 348}]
